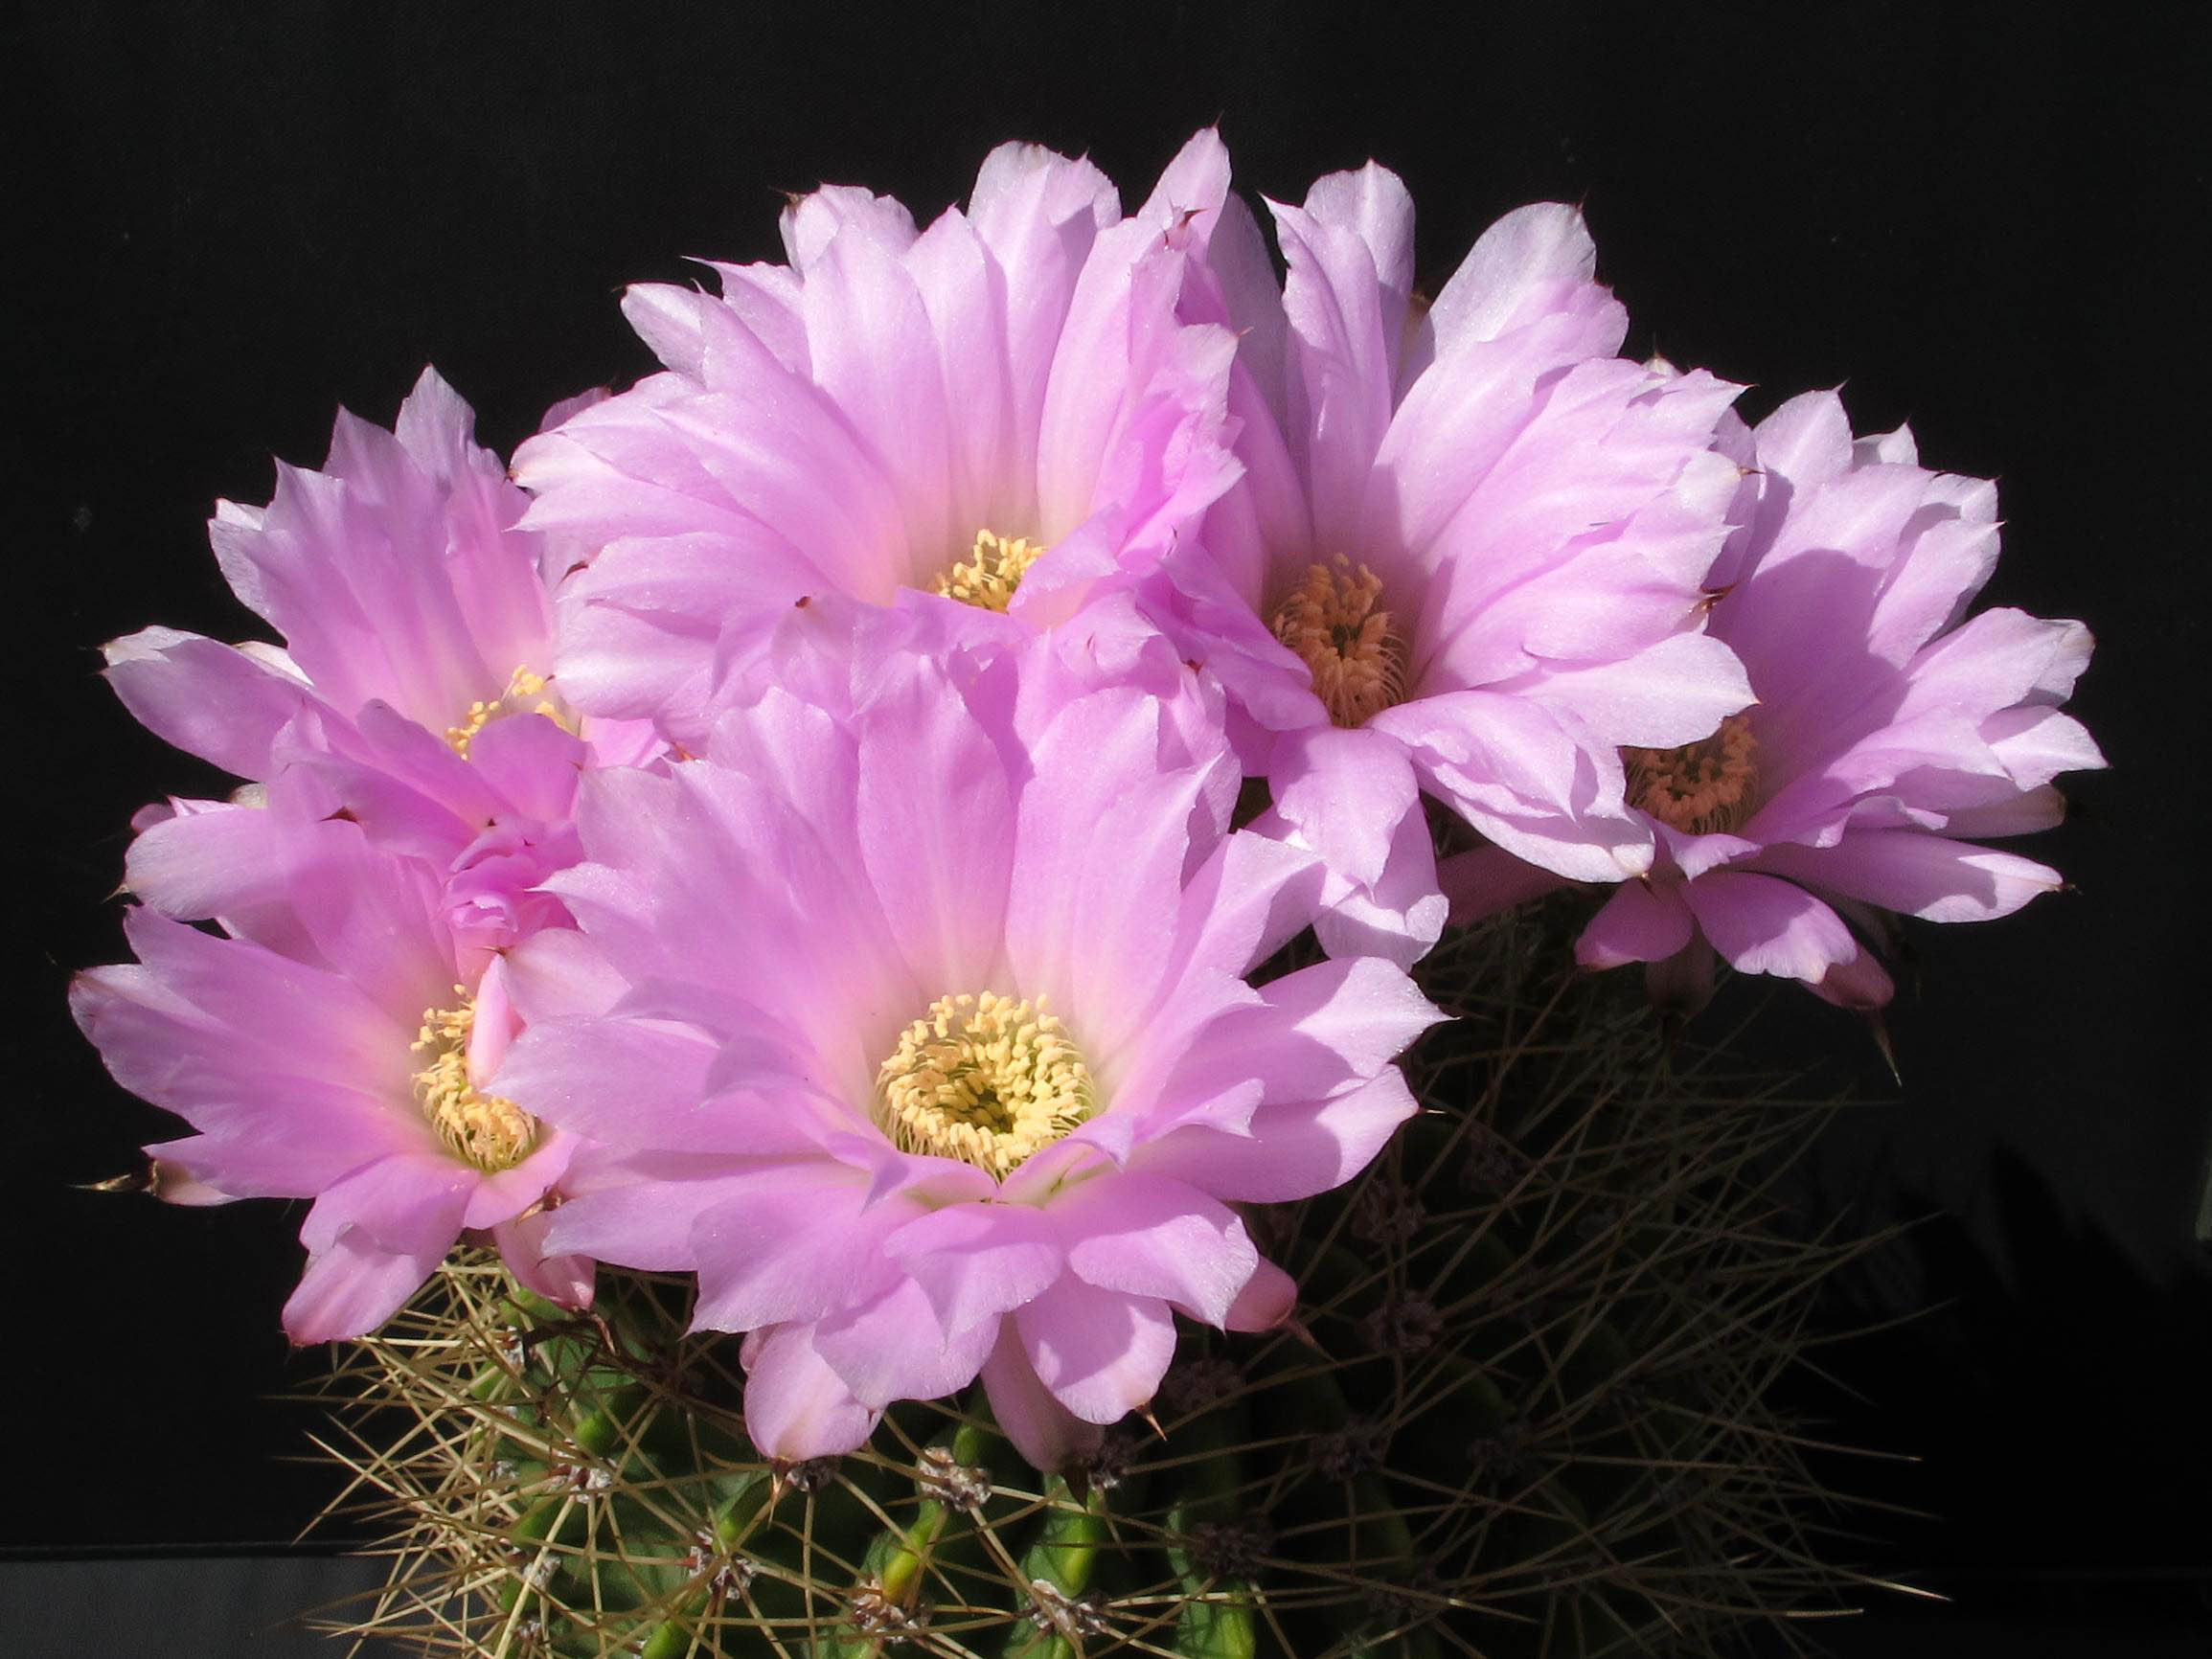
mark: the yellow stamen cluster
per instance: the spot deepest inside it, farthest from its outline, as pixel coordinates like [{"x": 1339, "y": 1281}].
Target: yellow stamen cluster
[
  {"x": 1702, "y": 788},
  {"x": 526, "y": 694},
  {"x": 989, "y": 1079},
  {"x": 1356, "y": 654},
  {"x": 991, "y": 571},
  {"x": 490, "y": 1132}
]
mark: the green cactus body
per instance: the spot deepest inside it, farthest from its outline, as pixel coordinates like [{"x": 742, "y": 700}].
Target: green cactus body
[{"x": 1520, "y": 1414}]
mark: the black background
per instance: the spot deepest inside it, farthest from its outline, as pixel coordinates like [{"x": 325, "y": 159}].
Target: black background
[{"x": 1987, "y": 220}]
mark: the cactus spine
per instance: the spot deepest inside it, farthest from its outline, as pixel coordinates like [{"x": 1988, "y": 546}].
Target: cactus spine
[{"x": 1524, "y": 1412}]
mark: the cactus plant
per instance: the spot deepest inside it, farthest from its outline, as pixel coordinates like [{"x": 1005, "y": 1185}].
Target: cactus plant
[{"x": 1524, "y": 1410}]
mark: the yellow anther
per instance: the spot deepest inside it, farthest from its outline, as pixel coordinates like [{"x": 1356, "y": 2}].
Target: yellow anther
[
  {"x": 991, "y": 571},
  {"x": 526, "y": 694},
  {"x": 1702, "y": 788},
  {"x": 488, "y": 1131},
  {"x": 1356, "y": 651},
  {"x": 988, "y": 1079}
]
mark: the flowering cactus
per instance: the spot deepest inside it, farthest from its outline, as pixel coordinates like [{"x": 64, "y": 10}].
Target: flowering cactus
[
  {"x": 1519, "y": 1408},
  {"x": 856, "y": 963}
]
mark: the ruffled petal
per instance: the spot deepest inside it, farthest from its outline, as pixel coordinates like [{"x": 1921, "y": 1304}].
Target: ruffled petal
[
  {"x": 1291, "y": 1151},
  {"x": 1270, "y": 1297},
  {"x": 1246, "y": 903},
  {"x": 1534, "y": 263},
  {"x": 1100, "y": 1355},
  {"x": 1918, "y": 874},
  {"x": 373, "y": 1238},
  {"x": 1345, "y": 328},
  {"x": 895, "y": 1347},
  {"x": 1642, "y": 922},
  {"x": 1104, "y": 837},
  {"x": 1767, "y": 926},
  {"x": 796, "y": 1406},
  {"x": 940, "y": 874},
  {"x": 1535, "y": 786},
  {"x": 638, "y": 1210},
  {"x": 1486, "y": 881},
  {"x": 976, "y": 1259},
  {"x": 1042, "y": 1430},
  {"x": 1670, "y": 694},
  {"x": 626, "y": 1083},
  {"x": 1151, "y": 1237},
  {"x": 566, "y": 1280},
  {"x": 876, "y": 355},
  {"x": 799, "y": 1245},
  {"x": 208, "y": 699}
]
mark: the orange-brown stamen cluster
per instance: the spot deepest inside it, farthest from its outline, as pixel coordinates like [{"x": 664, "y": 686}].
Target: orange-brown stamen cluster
[
  {"x": 1702, "y": 788},
  {"x": 1335, "y": 622}
]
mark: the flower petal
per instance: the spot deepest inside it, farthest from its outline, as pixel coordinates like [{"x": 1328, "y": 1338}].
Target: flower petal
[
  {"x": 797, "y": 1245},
  {"x": 373, "y": 1238},
  {"x": 1292, "y": 1151},
  {"x": 1153, "y": 1236},
  {"x": 1101, "y": 1355},
  {"x": 1767, "y": 926},
  {"x": 209, "y": 699},
  {"x": 1642, "y": 922},
  {"x": 894, "y": 1347},
  {"x": 977, "y": 1260},
  {"x": 1920, "y": 875},
  {"x": 796, "y": 1406},
  {"x": 1486, "y": 881},
  {"x": 1042, "y": 1430}
]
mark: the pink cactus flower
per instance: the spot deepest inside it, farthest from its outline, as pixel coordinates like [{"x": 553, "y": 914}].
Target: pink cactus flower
[
  {"x": 1891, "y": 732},
  {"x": 926, "y": 1036},
  {"x": 342, "y": 1045},
  {"x": 1468, "y": 551},
  {"x": 998, "y": 417},
  {"x": 412, "y": 689}
]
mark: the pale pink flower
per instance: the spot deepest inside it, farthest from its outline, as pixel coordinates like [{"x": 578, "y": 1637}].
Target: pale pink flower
[
  {"x": 1468, "y": 551},
  {"x": 1891, "y": 732},
  {"x": 927, "y": 1039},
  {"x": 412, "y": 689},
  {"x": 998, "y": 418},
  {"x": 343, "y": 1045}
]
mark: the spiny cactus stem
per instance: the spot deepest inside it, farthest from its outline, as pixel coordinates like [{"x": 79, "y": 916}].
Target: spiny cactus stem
[
  {"x": 733, "y": 1523},
  {"x": 737, "y": 1520},
  {"x": 540, "y": 1526},
  {"x": 1319, "y": 1398},
  {"x": 909, "y": 1554},
  {"x": 599, "y": 1431},
  {"x": 489, "y": 1381},
  {"x": 673, "y": 1640},
  {"x": 1058, "y": 1569},
  {"x": 1217, "y": 1616}
]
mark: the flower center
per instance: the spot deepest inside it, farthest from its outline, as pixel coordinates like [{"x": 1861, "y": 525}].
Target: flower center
[
  {"x": 1702, "y": 788},
  {"x": 991, "y": 571},
  {"x": 527, "y": 693},
  {"x": 490, "y": 1132},
  {"x": 988, "y": 1079},
  {"x": 1356, "y": 652}
]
